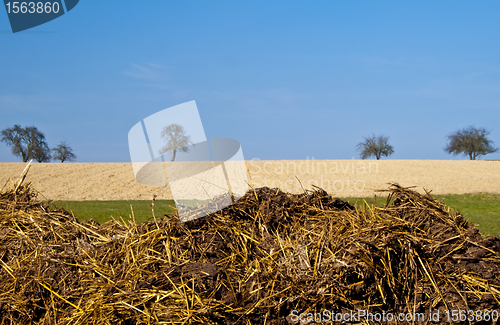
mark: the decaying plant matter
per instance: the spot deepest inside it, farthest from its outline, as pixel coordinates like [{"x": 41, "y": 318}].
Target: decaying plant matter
[{"x": 252, "y": 263}]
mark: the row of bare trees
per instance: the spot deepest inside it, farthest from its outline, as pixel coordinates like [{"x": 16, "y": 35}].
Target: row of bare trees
[
  {"x": 29, "y": 143},
  {"x": 469, "y": 141}
]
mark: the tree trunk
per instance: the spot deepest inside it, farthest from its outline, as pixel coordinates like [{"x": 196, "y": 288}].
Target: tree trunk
[{"x": 173, "y": 156}]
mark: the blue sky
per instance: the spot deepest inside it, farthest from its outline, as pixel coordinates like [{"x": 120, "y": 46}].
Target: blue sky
[{"x": 288, "y": 79}]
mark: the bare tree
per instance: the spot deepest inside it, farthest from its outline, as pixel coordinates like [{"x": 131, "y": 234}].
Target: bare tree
[
  {"x": 63, "y": 152},
  {"x": 377, "y": 146},
  {"x": 470, "y": 141},
  {"x": 41, "y": 152},
  {"x": 175, "y": 139},
  {"x": 28, "y": 142}
]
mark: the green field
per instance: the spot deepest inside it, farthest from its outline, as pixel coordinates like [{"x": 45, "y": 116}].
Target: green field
[
  {"x": 483, "y": 210},
  {"x": 102, "y": 211},
  {"x": 480, "y": 209}
]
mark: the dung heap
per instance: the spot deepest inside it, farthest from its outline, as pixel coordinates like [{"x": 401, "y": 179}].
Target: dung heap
[{"x": 267, "y": 259}]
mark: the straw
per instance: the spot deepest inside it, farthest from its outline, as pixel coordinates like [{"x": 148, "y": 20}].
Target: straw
[{"x": 251, "y": 263}]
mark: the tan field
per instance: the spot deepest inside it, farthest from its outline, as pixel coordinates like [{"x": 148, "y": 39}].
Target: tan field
[{"x": 343, "y": 178}]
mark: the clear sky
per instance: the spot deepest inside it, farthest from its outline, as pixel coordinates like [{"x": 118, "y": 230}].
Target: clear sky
[{"x": 288, "y": 79}]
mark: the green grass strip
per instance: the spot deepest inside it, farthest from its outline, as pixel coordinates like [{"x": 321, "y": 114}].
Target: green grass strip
[
  {"x": 102, "y": 211},
  {"x": 480, "y": 209}
]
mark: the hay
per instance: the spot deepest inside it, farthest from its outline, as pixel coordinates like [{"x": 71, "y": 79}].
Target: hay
[{"x": 251, "y": 263}]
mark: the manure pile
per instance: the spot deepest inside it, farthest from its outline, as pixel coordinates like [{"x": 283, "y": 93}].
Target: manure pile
[{"x": 271, "y": 258}]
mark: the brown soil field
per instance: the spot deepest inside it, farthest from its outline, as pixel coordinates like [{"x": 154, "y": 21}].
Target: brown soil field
[{"x": 342, "y": 178}]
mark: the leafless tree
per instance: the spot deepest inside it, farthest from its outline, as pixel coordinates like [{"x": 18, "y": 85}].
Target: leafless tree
[
  {"x": 175, "y": 139},
  {"x": 63, "y": 152},
  {"x": 28, "y": 142},
  {"x": 41, "y": 152},
  {"x": 377, "y": 146},
  {"x": 470, "y": 141}
]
